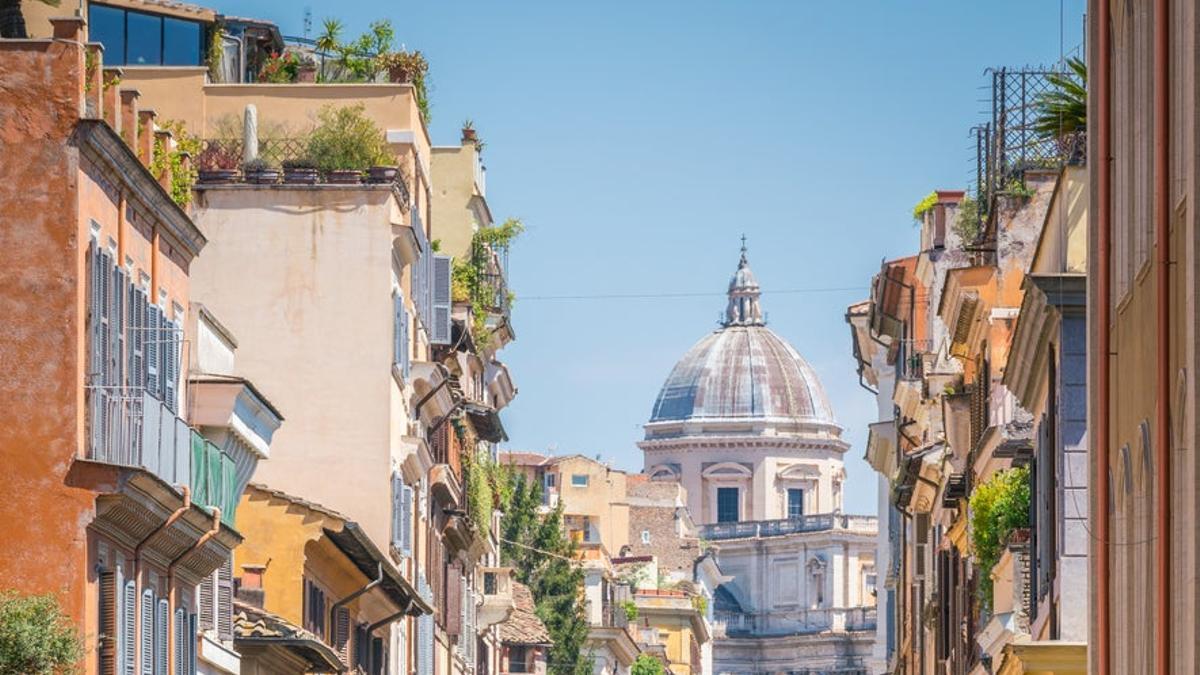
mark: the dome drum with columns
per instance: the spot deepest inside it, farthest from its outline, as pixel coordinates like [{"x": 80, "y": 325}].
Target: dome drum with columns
[{"x": 743, "y": 424}]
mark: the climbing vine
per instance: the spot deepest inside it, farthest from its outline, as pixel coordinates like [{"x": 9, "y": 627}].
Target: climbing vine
[
  {"x": 927, "y": 202},
  {"x": 998, "y": 507},
  {"x": 182, "y": 179}
]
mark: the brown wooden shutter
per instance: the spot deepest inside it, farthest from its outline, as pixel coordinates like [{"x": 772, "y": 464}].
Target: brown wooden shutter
[
  {"x": 453, "y": 608},
  {"x": 108, "y": 622},
  {"x": 341, "y": 634}
]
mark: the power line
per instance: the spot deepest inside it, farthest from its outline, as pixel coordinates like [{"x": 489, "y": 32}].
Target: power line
[{"x": 660, "y": 296}]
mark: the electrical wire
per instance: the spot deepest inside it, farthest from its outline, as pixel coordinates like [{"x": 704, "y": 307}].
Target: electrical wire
[{"x": 701, "y": 294}]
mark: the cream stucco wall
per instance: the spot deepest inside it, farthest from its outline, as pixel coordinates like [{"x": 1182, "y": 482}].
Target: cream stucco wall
[
  {"x": 603, "y": 500},
  {"x": 303, "y": 277},
  {"x": 457, "y": 200}
]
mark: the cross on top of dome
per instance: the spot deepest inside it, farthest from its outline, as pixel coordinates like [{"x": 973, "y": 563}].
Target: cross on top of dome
[{"x": 743, "y": 308}]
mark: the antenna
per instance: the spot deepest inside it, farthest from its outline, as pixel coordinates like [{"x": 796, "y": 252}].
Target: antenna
[{"x": 307, "y": 21}]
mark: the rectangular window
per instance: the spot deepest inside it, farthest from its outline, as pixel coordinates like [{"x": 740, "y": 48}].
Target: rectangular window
[
  {"x": 645, "y": 536},
  {"x": 314, "y": 608},
  {"x": 106, "y": 25},
  {"x": 181, "y": 42},
  {"x": 727, "y": 505},
  {"x": 795, "y": 503},
  {"x": 518, "y": 659},
  {"x": 142, "y": 39},
  {"x": 550, "y": 480},
  {"x": 579, "y": 480}
]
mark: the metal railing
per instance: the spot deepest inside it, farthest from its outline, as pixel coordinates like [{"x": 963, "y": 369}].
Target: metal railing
[
  {"x": 911, "y": 358},
  {"x": 776, "y": 528},
  {"x": 801, "y": 622},
  {"x": 490, "y": 283}
]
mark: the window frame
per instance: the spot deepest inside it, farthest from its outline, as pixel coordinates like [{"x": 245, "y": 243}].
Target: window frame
[
  {"x": 575, "y": 480},
  {"x": 122, "y": 58},
  {"x": 798, "y": 503},
  {"x": 737, "y": 503}
]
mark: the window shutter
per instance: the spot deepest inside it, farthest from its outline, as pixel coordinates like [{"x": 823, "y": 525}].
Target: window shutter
[
  {"x": 397, "y": 511},
  {"x": 95, "y": 309},
  {"x": 153, "y": 347},
  {"x": 120, "y": 296},
  {"x": 128, "y": 628},
  {"x": 147, "y": 632},
  {"x": 405, "y": 340},
  {"x": 170, "y": 368},
  {"x": 207, "y": 597},
  {"x": 161, "y": 632},
  {"x": 406, "y": 520},
  {"x": 105, "y": 280},
  {"x": 453, "y": 608},
  {"x": 439, "y": 334},
  {"x": 402, "y": 653},
  {"x": 191, "y": 644},
  {"x": 341, "y": 634},
  {"x": 181, "y": 662},
  {"x": 224, "y": 605},
  {"x": 108, "y": 621}
]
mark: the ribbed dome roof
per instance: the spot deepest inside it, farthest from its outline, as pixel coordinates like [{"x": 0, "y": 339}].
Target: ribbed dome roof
[{"x": 742, "y": 371}]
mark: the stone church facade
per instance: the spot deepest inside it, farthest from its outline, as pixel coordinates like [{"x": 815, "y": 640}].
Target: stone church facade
[{"x": 743, "y": 424}]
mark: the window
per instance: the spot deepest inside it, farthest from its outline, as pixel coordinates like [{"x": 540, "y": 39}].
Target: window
[
  {"x": 579, "y": 480},
  {"x": 645, "y": 536},
  {"x": 138, "y": 38},
  {"x": 549, "y": 480},
  {"x": 314, "y": 608},
  {"x": 727, "y": 505},
  {"x": 795, "y": 503},
  {"x": 518, "y": 659}
]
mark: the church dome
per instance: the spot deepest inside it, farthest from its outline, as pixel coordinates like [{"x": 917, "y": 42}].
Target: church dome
[{"x": 743, "y": 371}]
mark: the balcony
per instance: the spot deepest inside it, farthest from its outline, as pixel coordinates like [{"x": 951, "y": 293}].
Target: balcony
[
  {"x": 498, "y": 603},
  {"x": 776, "y": 528},
  {"x": 130, "y": 428},
  {"x": 801, "y": 622}
]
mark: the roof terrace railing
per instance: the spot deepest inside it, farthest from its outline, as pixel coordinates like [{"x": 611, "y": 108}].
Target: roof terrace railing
[{"x": 777, "y": 528}]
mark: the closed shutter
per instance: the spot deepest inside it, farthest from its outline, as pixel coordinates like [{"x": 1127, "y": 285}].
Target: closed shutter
[
  {"x": 397, "y": 511},
  {"x": 106, "y": 350},
  {"x": 439, "y": 334},
  {"x": 224, "y": 604},
  {"x": 181, "y": 659},
  {"x": 402, "y": 655},
  {"x": 147, "y": 632},
  {"x": 170, "y": 364},
  {"x": 161, "y": 632},
  {"x": 406, "y": 520},
  {"x": 95, "y": 309},
  {"x": 207, "y": 595},
  {"x": 109, "y": 621},
  {"x": 137, "y": 337},
  {"x": 128, "y": 628},
  {"x": 405, "y": 340},
  {"x": 191, "y": 645},
  {"x": 120, "y": 295},
  {"x": 453, "y": 608},
  {"x": 341, "y": 634},
  {"x": 153, "y": 348}
]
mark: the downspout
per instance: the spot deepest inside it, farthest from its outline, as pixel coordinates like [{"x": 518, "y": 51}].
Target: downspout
[
  {"x": 1162, "y": 369},
  {"x": 137, "y": 550},
  {"x": 1100, "y": 440},
  {"x": 173, "y": 593},
  {"x": 371, "y": 665},
  {"x": 350, "y": 598}
]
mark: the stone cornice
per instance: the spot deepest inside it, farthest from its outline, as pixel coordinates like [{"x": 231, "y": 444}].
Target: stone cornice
[{"x": 700, "y": 443}]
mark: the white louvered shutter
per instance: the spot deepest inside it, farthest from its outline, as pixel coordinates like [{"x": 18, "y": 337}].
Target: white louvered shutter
[
  {"x": 147, "y": 632},
  {"x": 224, "y": 604},
  {"x": 153, "y": 348},
  {"x": 402, "y": 654},
  {"x": 439, "y": 334},
  {"x": 109, "y": 621},
  {"x": 161, "y": 633},
  {"x": 95, "y": 309},
  {"x": 128, "y": 627},
  {"x": 180, "y": 654},
  {"x": 120, "y": 295},
  {"x": 137, "y": 337},
  {"x": 106, "y": 348},
  {"x": 406, "y": 520},
  {"x": 397, "y": 511},
  {"x": 170, "y": 367}
]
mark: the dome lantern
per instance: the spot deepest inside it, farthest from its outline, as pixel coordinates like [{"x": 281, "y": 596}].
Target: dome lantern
[{"x": 743, "y": 308}]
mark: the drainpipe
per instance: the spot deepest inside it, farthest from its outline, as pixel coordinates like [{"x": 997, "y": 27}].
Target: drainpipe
[
  {"x": 137, "y": 550},
  {"x": 371, "y": 665},
  {"x": 350, "y": 598},
  {"x": 173, "y": 594},
  {"x": 1162, "y": 370},
  {"x": 1100, "y": 439}
]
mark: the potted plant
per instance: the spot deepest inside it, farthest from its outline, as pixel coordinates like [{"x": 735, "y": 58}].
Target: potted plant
[
  {"x": 217, "y": 163},
  {"x": 258, "y": 170},
  {"x": 404, "y": 67},
  {"x": 301, "y": 171},
  {"x": 279, "y": 68},
  {"x": 346, "y": 142},
  {"x": 468, "y": 132},
  {"x": 381, "y": 173}
]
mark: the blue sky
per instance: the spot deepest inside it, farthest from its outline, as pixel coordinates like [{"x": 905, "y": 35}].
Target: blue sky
[{"x": 638, "y": 141}]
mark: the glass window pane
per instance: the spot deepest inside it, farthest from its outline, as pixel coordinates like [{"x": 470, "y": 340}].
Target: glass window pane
[
  {"x": 143, "y": 39},
  {"x": 795, "y": 502},
  {"x": 727, "y": 505},
  {"x": 106, "y": 25},
  {"x": 181, "y": 42}
]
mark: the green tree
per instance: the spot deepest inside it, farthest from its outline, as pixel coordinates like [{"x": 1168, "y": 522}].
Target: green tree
[
  {"x": 998, "y": 507},
  {"x": 646, "y": 665},
  {"x": 35, "y": 636},
  {"x": 543, "y": 558}
]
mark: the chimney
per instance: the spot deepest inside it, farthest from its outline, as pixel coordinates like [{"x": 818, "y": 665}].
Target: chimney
[
  {"x": 145, "y": 136},
  {"x": 166, "y": 140},
  {"x": 94, "y": 86},
  {"x": 110, "y": 103},
  {"x": 67, "y": 28},
  {"x": 129, "y": 117},
  {"x": 250, "y": 589}
]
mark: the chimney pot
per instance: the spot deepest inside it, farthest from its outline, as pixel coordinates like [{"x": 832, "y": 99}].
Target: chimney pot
[
  {"x": 67, "y": 27},
  {"x": 145, "y": 136},
  {"x": 129, "y": 117}
]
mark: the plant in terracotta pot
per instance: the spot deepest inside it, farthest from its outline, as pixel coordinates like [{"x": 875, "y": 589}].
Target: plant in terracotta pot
[
  {"x": 404, "y": 67},
  {"x": 306, "y": 69},
  {"x": 218, "y": 162},
  {"x": 468, "y": 131},
  {"x": 259, "y": 170},
  {"x": 346, "y": 142},
  {"x": 301, "y": 171}
]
